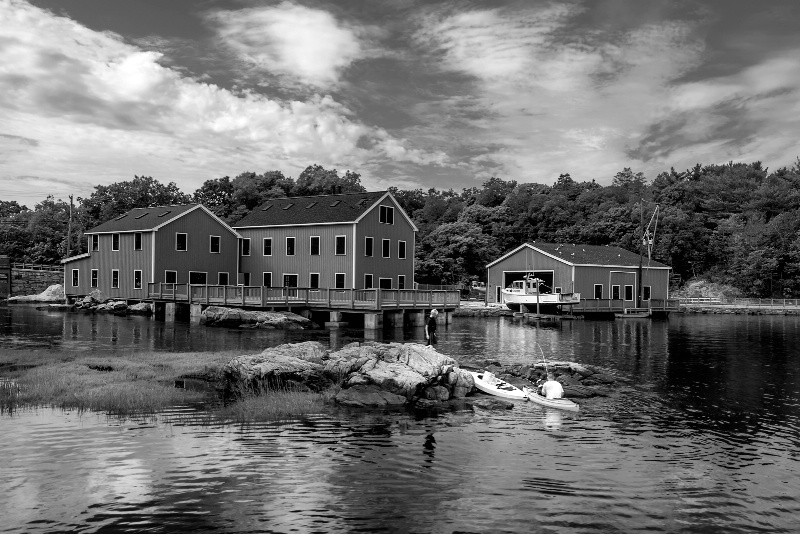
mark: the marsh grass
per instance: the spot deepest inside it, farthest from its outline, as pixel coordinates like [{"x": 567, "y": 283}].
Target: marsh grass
[{"x": 142, "y": 383}]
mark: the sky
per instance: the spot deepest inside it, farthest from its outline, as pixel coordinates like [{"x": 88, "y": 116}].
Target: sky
[{"x": 406, "y": 93}]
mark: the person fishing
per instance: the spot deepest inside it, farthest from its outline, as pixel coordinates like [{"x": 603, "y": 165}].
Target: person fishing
[
  {"x": 430, "y": 328},
  {"x": 552, "y": 389}
]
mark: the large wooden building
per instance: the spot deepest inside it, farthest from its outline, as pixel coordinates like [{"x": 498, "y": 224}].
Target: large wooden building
[
  {"x": 605, "y": 276},
  {"x": 353, "y": 240},
  {"x": 172, "y": 244}
]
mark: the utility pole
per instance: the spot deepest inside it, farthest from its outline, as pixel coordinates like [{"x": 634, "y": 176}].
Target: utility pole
[{"x": 69, "y": 228}]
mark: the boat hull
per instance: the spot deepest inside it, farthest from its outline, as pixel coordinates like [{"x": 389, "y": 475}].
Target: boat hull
[
  {"x": 561, "y": 404},
  {"x": 551, "y": 301},
  {"x": 499, "y": 388}
]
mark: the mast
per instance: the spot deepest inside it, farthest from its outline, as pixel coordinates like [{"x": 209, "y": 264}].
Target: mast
[{"x": 641, "y": 244}]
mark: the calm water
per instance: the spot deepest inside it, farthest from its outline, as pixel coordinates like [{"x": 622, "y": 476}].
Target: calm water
[{"x": 703, "y": 436}]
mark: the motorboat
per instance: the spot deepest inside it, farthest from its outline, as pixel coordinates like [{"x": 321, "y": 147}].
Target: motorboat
[{"x": 528, "y": 292}]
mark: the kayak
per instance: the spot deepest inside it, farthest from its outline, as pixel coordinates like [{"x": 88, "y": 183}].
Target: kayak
[
  {"x": 561, "y": 404},
  {"x": 488, "y": 383}
]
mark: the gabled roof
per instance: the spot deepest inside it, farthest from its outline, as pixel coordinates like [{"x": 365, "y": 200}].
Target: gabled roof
[
  {"x": 577, "y": 254},
  {"x": 318, "y": 209},
  {"x": 149, "y": 219}
]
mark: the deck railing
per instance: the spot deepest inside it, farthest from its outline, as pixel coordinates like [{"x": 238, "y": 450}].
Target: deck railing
[
  {"x": 618, "y": 305},
  {"x": 741, "y": 302},
  {"x": 258, "y": 296},
  {"x": 38, "y": 267}
]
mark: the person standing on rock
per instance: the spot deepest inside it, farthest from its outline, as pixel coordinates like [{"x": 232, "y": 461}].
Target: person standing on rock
[{"x": 430, "y": 328}]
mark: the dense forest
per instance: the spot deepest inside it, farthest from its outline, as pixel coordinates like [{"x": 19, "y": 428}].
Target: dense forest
[{"x": 736, "y": 224}]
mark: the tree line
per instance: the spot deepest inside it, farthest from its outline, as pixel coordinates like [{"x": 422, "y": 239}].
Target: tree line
[{"x": 736, "y": 223}]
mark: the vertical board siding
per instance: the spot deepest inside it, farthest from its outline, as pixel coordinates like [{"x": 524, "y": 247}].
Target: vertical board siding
[
  {"x": 126, "y": 260},
  {"x": 585, "y": 276},
  {"x": 198, "y": 226},
  {"x": 526, "y": 260},
  {"x": 327, "y": 264},
  {"x": 377, "y": 265}
]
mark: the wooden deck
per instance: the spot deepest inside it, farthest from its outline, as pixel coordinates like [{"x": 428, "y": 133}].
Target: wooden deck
[
  {"x": 317, "y": 298},
  {"x": 618, "y": 306}
]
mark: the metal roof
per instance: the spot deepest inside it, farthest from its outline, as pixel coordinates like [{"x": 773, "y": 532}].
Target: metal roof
[
  {"x": 577, "y": 254},
  {"x": 153, "y": 218},
  {"x": 318, "y": 209}
]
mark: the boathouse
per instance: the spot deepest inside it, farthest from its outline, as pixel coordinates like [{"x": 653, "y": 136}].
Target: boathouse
[
  {"x": 608, "y": 278},
  {"x": 185, "y": 244},
  {"x": 339, "y": 241}
]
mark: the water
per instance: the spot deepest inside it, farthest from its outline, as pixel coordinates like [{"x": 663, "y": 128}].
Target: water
[{"x": 702, "y": 437}]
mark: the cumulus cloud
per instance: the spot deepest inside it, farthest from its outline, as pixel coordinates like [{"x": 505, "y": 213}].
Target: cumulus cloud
[
  {"x": 96, "y": 109},
  {"x": 309, "y": 45}
]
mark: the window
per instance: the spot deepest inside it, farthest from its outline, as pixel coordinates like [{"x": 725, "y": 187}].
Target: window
[
  {"x": 267, "y": 280},
  {"x": 341, "y": 245},
  {"x": 646, "y": 293},
  {"x": 115, "y": 278},
  {"x": 246, "y": 279},
  {"x": 223, "y": 279},
  {"x": 181, "y": 242},
  {"x": 290, "y": 246},
  {"x": 137, "y": 279},
  {"x": 557, "y": 290},
  {"x": 313, "y": 280},
  {"x": 340, "y": 280},
  {"x": 75, "y": 277},
  {"x": 386, "y": 215},
  {"x": 615, "y": 292},
  {"x": 244, "y": 247},
  {"x": 385, "y": 283},
  {"x": 387, "y": 244},
  {"x": 170, "y": 277},
  {"x": 267, "y": 246},
  {"x": 401, "y": 250},
  {"x": 290, "y": 280},
  {"x": 368, "y": 246},
  {"x": 598, "y": 291},
  {"x": 198, "y": 278},
  {"x": 628, "y": 292},
  {"x": 95, "y": 241},
  {"x": 94, "y": 278},
  {"x": 368, "y": 284},
  {"x": 114, "y": 241},
  {"x": 137, "y": 241},
  {"x": 314, "y": 245},
  {"x": 214, "y": 245},
  {"x": 401, "y": 281}
]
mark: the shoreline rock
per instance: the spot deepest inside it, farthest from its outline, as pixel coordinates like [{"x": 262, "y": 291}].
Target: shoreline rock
[
  {"x": 237, "y": 318},
  {"x": 54, "y": 293},
  {"x": 720, "y": 310}
]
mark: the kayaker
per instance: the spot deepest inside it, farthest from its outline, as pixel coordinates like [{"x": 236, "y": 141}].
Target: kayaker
[
  {"x": 552, "y": 389},
  {"x": 430, "y": 328}
]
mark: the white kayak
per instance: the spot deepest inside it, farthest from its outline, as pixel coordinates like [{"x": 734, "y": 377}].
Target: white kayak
[
  {"x": 488, "y": 383},
  {"x": 561, "y": 404}
]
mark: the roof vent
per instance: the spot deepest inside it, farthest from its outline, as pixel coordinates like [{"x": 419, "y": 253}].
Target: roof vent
[
  {"x": 311, "y": 205},
  {"x": 265, "y": 208},
  {"x": 142, "y": 215},
  {"x": 287, "y": 206},
  {"x": 165, "y": 213},
  {"x": 335, "y": 203},
  {"x": 121, "y": 216}
]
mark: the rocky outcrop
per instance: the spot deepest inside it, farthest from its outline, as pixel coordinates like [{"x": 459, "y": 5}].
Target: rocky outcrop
[
  {"x": 97, "y": 302},
  {"x": 579, "y": 381},
  {"x": 54, "y": 293},
  {"x": 236, "y": 318},
  {"x": 368, "y": 374}
]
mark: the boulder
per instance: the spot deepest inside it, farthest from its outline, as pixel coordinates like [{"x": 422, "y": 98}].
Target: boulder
[
  {"x": 141, "y": 308},
  {"x": 364, "y": 396},
  {"x": 236, "y": 318},
  {"x": 279, "y": 367},
  {"x": 492, "y": 403},
  {"x": 54, "y": 293}
]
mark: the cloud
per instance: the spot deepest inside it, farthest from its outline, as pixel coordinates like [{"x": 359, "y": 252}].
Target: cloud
[
  {"x": 307, "y": 44},
  {"x": 553, "y": 98},
  {"x": 102, "y": 110}
]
